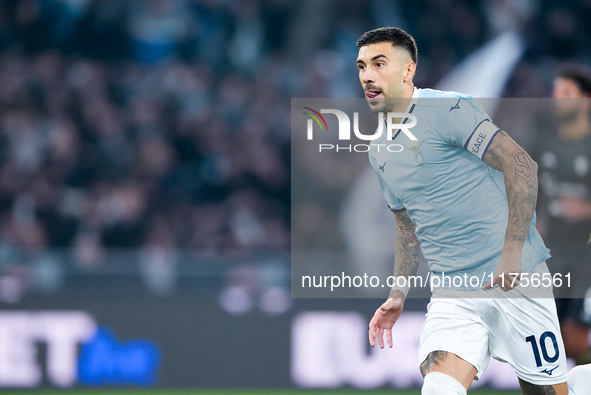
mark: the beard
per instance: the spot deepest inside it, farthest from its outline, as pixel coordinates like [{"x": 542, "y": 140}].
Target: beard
[
  {"x": 378, "y": 105},
  {"x": 393, "y": 102},
  {"x": 386, "y": 104}
]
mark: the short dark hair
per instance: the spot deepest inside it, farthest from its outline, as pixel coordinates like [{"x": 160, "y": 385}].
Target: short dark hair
[
  {"x": 395, "y": 35},
  {"x": 578, "y": 73}
]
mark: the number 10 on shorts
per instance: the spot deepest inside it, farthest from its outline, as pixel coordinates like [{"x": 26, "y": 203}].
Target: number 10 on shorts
[{"x": 542, "y": 345}]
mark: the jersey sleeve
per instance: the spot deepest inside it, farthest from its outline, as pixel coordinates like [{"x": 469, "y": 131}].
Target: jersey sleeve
[
  {"x": 391, "y": 200},
  {"x": 469, "y": 126}
]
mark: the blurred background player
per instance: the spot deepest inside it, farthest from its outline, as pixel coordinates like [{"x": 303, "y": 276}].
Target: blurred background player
[{"x": 563, "y": 153}]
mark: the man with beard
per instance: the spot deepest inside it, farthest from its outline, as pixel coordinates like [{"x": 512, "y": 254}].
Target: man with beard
[{"x": 466, "y": 192}]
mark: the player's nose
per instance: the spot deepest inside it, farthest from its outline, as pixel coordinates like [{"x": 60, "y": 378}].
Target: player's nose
[{"x": 367, "y": 77}]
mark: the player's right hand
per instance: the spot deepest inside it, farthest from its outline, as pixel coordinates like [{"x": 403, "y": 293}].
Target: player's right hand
[
  {"x": 383, "y": 320},
  {"x": 508, "y": 273}
]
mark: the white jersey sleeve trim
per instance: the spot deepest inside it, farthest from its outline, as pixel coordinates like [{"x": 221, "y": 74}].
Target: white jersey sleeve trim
[{"x": 481, "y": 137}]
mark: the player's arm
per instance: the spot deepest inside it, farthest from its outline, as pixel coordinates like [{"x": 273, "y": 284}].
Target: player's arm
[
  {"x": 407, "y": 250},
  {"x": 408, "y": 254},
  {"x": 521, "y": 183}
]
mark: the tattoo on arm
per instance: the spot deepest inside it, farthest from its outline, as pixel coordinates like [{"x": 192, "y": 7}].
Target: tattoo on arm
[
  {"x": 521, "y": 182},
  {"x": 522, "y": 193},
  {"x": 523, "y": 167},
  {"x": 406, "y": 245},
  {"x": 433, "y": 358},
  {"x": 533, "y": 389},
  {"x": 494, "y": 160}
]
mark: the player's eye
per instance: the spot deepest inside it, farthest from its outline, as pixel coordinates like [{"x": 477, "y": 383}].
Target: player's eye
[
  {"x": 380, "y": 64},
  {"x": 361, "y": 67}
]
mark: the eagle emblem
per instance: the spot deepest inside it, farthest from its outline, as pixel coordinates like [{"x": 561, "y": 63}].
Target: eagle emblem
[{"x": 416, "y": 149}]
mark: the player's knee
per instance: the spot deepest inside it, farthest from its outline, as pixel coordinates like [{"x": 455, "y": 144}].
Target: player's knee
[{"x": 437, "y": 383}]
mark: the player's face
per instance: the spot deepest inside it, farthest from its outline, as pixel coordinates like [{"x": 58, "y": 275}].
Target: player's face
[
  {"x": 566, "y": 92},
  {"x": 382, "y": 70}
]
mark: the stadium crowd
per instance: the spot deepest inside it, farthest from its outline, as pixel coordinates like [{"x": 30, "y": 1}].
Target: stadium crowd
[
  {"x": 113, "y": 148},
  {"x": 126, "y": 124}
]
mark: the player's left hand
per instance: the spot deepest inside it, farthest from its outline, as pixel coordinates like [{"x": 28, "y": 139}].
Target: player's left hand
[
  {"x": 384, "y": 319},
  {"x": 508, "y": 273}
]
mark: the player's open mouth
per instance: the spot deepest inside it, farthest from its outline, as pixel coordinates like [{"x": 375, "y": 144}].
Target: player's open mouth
[{"x": 372, "y": 94}]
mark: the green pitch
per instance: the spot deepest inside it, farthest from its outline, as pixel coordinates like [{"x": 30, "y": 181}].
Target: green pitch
[{"x": 241, "y": 392}]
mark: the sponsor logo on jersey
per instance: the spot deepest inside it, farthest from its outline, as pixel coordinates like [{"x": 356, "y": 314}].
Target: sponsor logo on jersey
[{"x": 549, "y": 371}]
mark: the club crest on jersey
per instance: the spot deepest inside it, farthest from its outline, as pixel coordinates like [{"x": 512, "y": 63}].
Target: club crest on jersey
[{"x": 416, "y": 149}]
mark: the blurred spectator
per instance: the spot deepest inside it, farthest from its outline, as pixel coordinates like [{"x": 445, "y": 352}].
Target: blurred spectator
[{"x": 101, "y": 151}]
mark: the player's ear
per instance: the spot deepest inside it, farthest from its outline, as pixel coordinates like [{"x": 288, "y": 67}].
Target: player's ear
[{"x": 409, "y": 70}]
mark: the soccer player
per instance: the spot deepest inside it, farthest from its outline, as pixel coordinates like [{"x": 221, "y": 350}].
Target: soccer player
[
  {"x": 563, "y": 151},
  {"x": 467, "y": 192}
]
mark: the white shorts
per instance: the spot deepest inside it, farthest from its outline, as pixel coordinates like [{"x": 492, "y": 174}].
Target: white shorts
[{"x": 511, "y": 327}]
